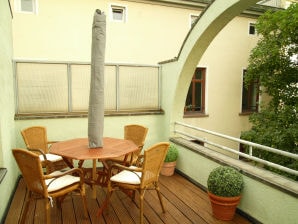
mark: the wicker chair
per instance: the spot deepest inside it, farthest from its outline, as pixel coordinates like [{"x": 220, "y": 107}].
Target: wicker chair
[
  {"x": 55, "y": 185},
  {"x": 133, "y": 132},
  {"x": 137, "y": 134},
  {"x": 139, "y": 178},
  {"x": 35, "y": 138}
]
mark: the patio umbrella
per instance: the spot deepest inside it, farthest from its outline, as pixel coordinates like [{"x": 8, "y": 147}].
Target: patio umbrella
[{"x": 96, "y": 98}]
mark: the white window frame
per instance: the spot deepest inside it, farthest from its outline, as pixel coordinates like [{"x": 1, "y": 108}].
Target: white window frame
[
  {"x": 18, "y": 7},
  {"x": 119, "y": 7}
]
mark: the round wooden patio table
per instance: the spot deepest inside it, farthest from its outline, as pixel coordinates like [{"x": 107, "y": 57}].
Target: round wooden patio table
[{"x": 78, "y": 149}]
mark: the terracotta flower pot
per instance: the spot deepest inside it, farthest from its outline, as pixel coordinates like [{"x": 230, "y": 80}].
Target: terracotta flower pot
[
  {"x": 168, "y": 168},
  {"x": 223, "y": 208}
]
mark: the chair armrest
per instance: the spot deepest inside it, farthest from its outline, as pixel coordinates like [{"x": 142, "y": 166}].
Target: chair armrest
[
  {"x": 67, "y": 172},
  {"x": 139, "y": 161},
  {"x": 61, "y": 174},
  {"x": 49, "y": 143},
  {"x": 120, "y": 167},
  {"x": 39, "y": 151}
]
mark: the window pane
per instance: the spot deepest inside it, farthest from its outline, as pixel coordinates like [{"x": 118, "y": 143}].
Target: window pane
[
  {"x": 198, "y": 74},
  {"x": 254, "y": 96},
  {"x": 27, "y": 5},
  {"x": 250, "y": 96},
  {"x": 135, "y": 92},
  {"x": 110, "y": 88},
  {"x": 80, "y": 86},
  {"x": 198, "y": 99},
  {"x": 252, "y": 29},
  {"x": 196, "y": 92},
  {"x": 42, "y": 87},
  {"x": 117, "y": 14}
]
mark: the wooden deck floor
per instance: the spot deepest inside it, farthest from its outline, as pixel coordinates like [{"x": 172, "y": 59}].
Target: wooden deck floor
[{"x": 185, "y": 203}]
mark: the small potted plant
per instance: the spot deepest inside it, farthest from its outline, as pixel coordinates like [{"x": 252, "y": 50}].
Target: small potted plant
[
  {"x": 225, "y": 185},
  {"x": 169, "y": 164}
]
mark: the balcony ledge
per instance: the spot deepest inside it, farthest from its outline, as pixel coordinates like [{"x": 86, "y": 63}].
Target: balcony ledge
[{"x": 274, "y": 180}]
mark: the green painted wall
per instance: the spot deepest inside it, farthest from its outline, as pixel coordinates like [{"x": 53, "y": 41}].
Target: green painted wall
[
  {"x": 63, "y": 129},
  {"x": 259, "y": 200},
  {"x": 7, "y": 134}
]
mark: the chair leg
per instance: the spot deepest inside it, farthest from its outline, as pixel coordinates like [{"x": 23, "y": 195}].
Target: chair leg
[
  {"x": 106, "y": 202},
  {"x": 59, "y": 201},
  {"x": 47, "y": 208},
  {"x": 160, "y": 199},
  {"x": 142, "y": 193},
  {"x": 28, "y": 199},
  {"x": 83, "y": 195}
]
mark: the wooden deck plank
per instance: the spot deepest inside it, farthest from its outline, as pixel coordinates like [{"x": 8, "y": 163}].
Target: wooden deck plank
[
  {"x": 197, "y": 199},
  {"x": 171, "y": 215},
  {"x": 17, "y": 203},
  {"x": 93, "y": 206},
  {"x": 184, "y": 203},
  {"x": 180, "y": 205}
]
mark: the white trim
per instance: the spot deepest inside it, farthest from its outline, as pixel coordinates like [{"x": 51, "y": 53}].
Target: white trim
[
  {"x": 17, "y": 6},
  {"x": 249, "y": 24}
]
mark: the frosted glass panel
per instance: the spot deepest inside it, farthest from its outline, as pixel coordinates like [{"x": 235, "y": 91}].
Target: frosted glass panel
[
  {"x": 42, "y": 87},
  {"x": 110, "y": 88},
  {"x": 80, "y": 86},
  {"x": 138, "y": 88},
  {"x": 64, "y": 87}
]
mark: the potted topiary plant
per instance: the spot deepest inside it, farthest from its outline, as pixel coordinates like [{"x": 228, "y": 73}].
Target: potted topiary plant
[
  {"x": 169, "y": 164},
  {"x": 225, "y": 185}
]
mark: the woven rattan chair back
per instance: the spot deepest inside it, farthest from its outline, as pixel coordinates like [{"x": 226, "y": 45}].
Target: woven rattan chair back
[
  {"x": 31, "y": 170},
  {"x": 36, "y": 140},
  {"x": 137, "y": 134},
  {"x": 35, "y": 137},
  {"x": 64, "y": 182},
  {"x": 153, "y": 160}
]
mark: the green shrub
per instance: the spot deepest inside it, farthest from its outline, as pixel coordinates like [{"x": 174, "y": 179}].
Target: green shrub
[
  {"x": 172, "y": 154},
  {"x": 225, "y": 181}
]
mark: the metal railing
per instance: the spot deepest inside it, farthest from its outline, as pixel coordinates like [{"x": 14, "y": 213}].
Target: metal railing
[{"x": 251, "y": 145}]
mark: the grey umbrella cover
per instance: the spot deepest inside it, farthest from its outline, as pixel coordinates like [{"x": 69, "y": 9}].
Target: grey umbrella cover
[{"x": 96, "y": 98}]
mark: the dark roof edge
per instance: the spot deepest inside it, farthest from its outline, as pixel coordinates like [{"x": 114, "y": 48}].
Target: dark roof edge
[{"x": 253, "y": 11}]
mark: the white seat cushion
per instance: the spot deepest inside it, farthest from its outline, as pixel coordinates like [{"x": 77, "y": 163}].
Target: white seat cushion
[
  {"x": 127, "y": 177},
  {"x": 61, "y": 182},
  {"x": 50, "y": 157}
]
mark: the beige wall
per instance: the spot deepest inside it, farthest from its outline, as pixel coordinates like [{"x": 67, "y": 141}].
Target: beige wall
[
  {"x": 225, "y": 59},
  {"x": 61, "y": 30}
]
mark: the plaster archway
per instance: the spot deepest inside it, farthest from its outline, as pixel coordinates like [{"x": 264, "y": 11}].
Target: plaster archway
[{"x": 178, "y": 72}]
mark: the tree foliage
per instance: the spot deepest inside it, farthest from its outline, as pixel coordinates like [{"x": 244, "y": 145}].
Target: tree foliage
[{"x": 274, "y": 63}]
